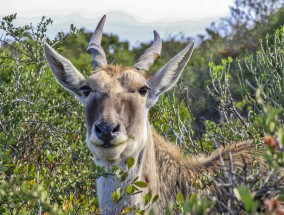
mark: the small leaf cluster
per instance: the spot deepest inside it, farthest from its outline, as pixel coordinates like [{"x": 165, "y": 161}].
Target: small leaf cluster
[
  {"x": 133, "y": 187},
  {"x": 193, "y": 205}
]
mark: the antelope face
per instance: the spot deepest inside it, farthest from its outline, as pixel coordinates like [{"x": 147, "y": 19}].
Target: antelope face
[
  {"x": 117, "y": 98},
  {"x": 116, "y": 114}
]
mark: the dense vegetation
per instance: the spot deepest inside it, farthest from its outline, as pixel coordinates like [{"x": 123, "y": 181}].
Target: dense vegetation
[{"x": 232, "y": 90}]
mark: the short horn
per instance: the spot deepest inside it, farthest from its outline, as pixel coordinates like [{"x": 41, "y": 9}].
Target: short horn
[
  {"x": 146, "y": 60},
  {"x": 95, "y": 49}
]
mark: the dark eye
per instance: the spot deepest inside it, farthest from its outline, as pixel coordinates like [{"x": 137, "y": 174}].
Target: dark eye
[
  {"x": 85, "y": 90},
  {"x": 143, "y": 90}
]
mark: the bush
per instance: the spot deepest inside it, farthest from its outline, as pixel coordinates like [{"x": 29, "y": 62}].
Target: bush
[{"x": 45, "y": 165}]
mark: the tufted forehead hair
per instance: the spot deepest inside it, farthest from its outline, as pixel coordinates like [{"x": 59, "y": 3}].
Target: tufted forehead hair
[
  {"x": 118, "y": 70},
  {"x": 114, "y": 78}
]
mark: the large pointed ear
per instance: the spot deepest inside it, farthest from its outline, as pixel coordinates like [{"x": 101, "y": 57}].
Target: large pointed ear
[
  {"x": 168, "y": 75},
  {"x": 63, "y": 70}
]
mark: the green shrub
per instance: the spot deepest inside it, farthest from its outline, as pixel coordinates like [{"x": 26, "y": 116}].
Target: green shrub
[
  {"x": 44, "y": 163},
  {"x": 258, "y": 115}
]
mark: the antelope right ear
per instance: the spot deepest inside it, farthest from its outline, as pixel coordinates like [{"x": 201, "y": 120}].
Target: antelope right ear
[
  {"x": 64, "y": 72},
  {"x": 168, "y": 75}
]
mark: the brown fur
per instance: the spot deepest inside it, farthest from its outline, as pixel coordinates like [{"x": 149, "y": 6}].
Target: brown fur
[{"x": 178, "y": 173}]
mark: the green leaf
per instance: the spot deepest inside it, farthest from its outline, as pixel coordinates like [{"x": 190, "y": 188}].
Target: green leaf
[
  {"x": 126, "y": 210},
  {"x": 134, "y": 193},
  {"x": 180, "y": 198},
  {"x": 244, "y": 195},
  {"x": 129, "y": 189},
  {"x": 140, "y": 184},
  {"x": 116, "y": 195},
  {"x": 135, "y": 179},
  {"x": 124, "y": 176},
  {"x": 155, "y": 198},
  {"x": 130, "y": 162},
  {"x": 192, "y": 199},
  {"x": 147, "y": 198}
]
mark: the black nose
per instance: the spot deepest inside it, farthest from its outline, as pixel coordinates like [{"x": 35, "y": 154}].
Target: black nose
[{"x": 106, "y": 131}]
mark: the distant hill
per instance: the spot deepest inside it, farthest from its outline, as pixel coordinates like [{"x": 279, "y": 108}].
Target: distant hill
[{"x": 126, "y": 26}]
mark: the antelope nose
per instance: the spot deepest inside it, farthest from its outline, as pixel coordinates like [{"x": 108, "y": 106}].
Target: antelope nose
[{"x": 107, "y": 131}]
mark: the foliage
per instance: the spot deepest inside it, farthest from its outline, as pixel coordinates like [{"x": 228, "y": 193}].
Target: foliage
[
  {"x": 45, "y": 166},
  {"x": 266, "y": 70},
  {"x": 39, "y": 125},
  {"x": 264, "y": 118}
]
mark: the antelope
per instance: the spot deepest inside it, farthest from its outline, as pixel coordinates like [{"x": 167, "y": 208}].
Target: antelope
[{"x": 117, "y": 100}]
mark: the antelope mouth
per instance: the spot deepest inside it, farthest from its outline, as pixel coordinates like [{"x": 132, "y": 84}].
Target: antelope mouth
[
  {"x": 117, "y": 141},
  {"x": 110, "y": 145}
]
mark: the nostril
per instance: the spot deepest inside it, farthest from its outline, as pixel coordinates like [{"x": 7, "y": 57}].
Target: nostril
[
  {"x": 116, "y": 128},
  {"x": 98, "y": 130}
]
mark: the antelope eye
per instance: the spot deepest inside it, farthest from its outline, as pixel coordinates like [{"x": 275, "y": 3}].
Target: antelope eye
[
  {"x": 143, "y": 90},
  {"x": 85, "y": 90}
]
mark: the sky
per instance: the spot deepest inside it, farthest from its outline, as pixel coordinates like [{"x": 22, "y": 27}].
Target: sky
[
  {"x": 178, "y": 14},
  {"x": 146, "y": 10}
]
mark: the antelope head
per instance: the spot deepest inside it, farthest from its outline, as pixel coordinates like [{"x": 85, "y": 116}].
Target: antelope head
[{"x": 117, "y": 98}]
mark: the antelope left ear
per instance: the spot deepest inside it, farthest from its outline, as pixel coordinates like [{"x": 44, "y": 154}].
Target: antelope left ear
[
  {"x": 168, "y": 75},
  {"x": 64, "y": 72}
]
